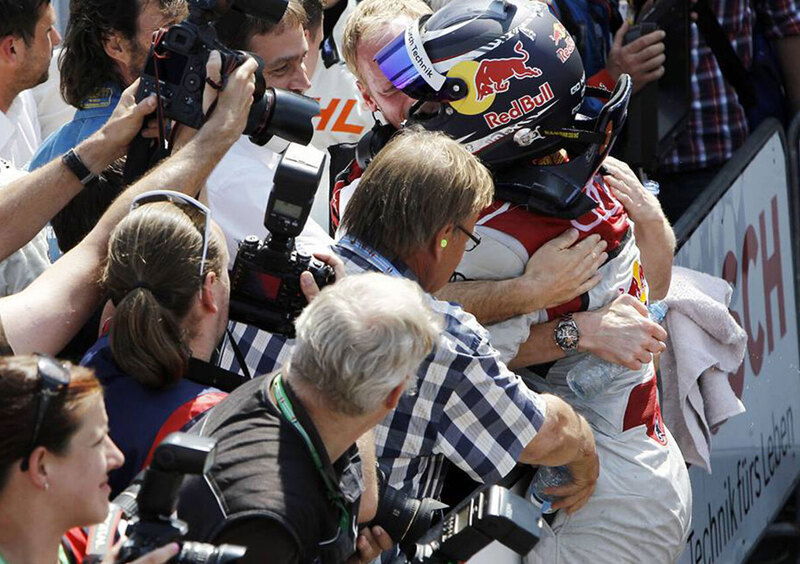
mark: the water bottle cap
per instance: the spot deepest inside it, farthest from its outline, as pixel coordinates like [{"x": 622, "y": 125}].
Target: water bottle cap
[
  {"x": 652, "y": 186},
  {"x": 658, "y": 311}
]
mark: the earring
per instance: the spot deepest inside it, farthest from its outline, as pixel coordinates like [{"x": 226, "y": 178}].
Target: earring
[
  {"x": 46, "y": 486},
  {"x": 443, "y": 243}
]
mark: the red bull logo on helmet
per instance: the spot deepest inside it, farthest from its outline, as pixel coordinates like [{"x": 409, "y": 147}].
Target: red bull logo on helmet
[
  {"x": 494, "y": 74},
  {"x": 520, "y": 107},
  {"x": 560, "y": 35}
]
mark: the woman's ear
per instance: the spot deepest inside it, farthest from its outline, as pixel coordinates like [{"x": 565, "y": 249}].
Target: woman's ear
[
  {"x": 37, "y": 468},
  {"x": 208, "y": 299}
]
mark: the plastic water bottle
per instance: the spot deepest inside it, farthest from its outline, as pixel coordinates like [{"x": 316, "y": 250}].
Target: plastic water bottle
[
  {"x": 591, "y": 375},
  {"x": 548, "y": 477},
  {"x": 652, "y": 186}
]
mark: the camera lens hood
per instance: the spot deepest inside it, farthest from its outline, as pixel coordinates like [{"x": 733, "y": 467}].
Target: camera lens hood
[{"x": 287, "y": 115}]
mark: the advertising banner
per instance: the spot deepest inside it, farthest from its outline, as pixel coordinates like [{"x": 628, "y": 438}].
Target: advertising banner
[{"x": 747, "y": 240}]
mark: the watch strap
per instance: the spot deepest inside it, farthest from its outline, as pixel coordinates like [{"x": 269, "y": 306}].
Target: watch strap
[{"x": 74, "y": 163}]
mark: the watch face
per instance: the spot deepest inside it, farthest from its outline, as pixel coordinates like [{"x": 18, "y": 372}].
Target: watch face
[{"x": 567, "y": 335}]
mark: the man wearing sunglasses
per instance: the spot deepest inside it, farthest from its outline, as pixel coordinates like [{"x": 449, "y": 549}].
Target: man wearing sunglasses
[{"x": 47, "y": 314}]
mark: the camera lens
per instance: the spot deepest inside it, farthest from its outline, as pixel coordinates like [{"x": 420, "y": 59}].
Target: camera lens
[
  {"x": 404, "y": 518},
  {"x": 284, "y": 114}
]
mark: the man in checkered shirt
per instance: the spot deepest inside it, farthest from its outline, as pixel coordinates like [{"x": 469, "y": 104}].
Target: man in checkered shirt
[
  {"x": 717, "y": 123},
  {"x": 468, "y": 409}
]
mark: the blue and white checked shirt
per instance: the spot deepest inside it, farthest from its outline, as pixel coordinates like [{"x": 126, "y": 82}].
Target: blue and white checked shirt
[{"x": 469, "y": 410}]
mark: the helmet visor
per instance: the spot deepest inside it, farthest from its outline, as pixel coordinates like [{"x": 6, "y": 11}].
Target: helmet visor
[{"x": 407, "y": 66}]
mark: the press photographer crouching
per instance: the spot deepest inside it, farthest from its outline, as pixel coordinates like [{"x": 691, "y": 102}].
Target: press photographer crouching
[
  {"x": 288, "y": 482},
  {"x": 55, "y": 455}
]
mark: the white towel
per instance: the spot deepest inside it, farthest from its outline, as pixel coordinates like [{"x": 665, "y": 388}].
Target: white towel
[{"x": 704, "y": 346}]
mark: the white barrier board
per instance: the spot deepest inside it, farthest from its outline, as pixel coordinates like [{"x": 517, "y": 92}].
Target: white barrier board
[{"x": 746, "y": 239}]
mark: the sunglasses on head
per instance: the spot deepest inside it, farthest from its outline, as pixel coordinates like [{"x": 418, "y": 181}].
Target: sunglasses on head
[
  {"x": 53, "y": 379},
  {"x": 197, "y": 212}
]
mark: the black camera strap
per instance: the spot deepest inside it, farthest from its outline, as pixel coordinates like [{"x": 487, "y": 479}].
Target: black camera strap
[
  {"x": 287, "y": 410},
  {"x": 207, "y": 374},
  {"x": 237, "y": 353}
]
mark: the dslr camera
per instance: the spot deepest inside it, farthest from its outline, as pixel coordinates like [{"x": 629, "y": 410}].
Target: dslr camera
[
  {"x": 153, "y": 524},
  {"x": 265, "y": 282},
  {"x": 493, "y": 513},
  {"x": 176, "y": 72}
]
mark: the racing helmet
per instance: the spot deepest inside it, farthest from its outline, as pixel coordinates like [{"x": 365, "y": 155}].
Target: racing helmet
[{"x": 511, "y": 82}]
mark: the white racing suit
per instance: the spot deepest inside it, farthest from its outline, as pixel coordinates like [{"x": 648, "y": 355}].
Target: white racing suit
[{"x": 641, "y": 508}]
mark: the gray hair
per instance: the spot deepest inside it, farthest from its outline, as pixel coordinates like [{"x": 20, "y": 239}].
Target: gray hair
[{"x": 361, "y": 338}]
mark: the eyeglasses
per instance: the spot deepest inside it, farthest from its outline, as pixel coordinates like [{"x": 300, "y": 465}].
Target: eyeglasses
[
  {"x": 197, "y": 212},
  {"x": 474, "y": 240},
  {"x": 54, "y": 378}
]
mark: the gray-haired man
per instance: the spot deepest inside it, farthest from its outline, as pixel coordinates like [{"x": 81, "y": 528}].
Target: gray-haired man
[{"x": 287, "y": 478}]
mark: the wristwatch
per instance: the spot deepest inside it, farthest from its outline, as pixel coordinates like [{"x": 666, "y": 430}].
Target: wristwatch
[
  {"x": 566, "y": 334},
  {"x": 74, "y": 163}
]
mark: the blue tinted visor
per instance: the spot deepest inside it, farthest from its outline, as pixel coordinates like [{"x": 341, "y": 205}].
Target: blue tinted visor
[{"x": 407, "y": 66}]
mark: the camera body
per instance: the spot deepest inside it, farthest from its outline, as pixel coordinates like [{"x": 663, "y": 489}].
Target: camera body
[
  {"x": 494, "y": 513},
  {"x": 176, "y": 73},
  {"x": 154, "y": 526},
  {"x": 265, "y": 282}
]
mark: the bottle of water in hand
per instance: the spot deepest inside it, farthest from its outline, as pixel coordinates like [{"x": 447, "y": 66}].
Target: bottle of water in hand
[
  {"x": 591, "y": 375},
  {"x": 548, "y": 477}
]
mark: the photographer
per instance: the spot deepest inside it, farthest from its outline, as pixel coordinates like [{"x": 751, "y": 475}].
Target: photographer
[
  {"x": 239, "y": 188},
  {"x": 55, "y": 455},
  {"x": 169, "y": 286},
  {"x": 287, "y": 479},
  {"x": 46, "y": 314},
  {"x": 104, "y": 52}
]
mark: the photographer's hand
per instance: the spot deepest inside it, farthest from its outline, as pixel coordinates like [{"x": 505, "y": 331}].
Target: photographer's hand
[
  {"x": 233, "y": 104},
  {"x": 371, "y": 542},
  {"x": 307, "y": 283},
  {"x": 158, "y": 556},
  {"x": 211, "y": 95},
  {"x": 111, "y": 141}
]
